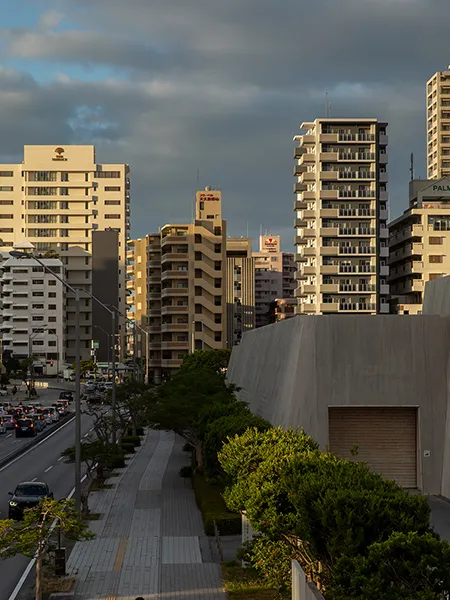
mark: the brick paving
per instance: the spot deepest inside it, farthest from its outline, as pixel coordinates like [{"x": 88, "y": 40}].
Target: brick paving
[{"x": 150, "y": 540}]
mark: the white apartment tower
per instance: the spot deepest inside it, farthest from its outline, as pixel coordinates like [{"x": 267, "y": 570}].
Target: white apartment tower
[
  {"x": 56, "y": 198},
  {"x": 438, "y": 125},
  {"x": 341, "y": 213}
]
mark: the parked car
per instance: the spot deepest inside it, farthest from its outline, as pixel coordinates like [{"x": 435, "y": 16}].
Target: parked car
[
  {"x": 66, "y": 396},
  {"x": 5, "y": 405},
  {"x": 27, "y": 495},
  {"x": 25, "y": 428}
]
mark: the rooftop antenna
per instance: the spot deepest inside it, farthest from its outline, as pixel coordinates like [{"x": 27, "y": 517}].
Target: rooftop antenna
[
  {"x": 411, "y": 168},
  {"x": 326, "y": 104},
  {"x": 247, "y": 227},
  {"x": 195, "y": 195}
]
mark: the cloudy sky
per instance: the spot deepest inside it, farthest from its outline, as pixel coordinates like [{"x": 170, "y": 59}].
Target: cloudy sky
[{"x": 219, "y": 86}]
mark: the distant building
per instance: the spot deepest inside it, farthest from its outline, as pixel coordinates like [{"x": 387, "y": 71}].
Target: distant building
[
  {"x": 274, "y": 276},
  {"x": 419, "y": 244},
  {"x": 283, "y": 308},
  {"x": 33, "y": 310},
  {"x": 240, "y": 289},
  {"x": 438, "y": 125}
]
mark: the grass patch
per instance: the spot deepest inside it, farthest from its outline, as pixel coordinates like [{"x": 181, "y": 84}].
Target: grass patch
[
  {"x": 53, "y": 585},
  {"x": 93, "y": 517},
  {"x": 212, "y": 506},
  {"x": 245, "y": 584},
  {"x": 97, "y": 485}
]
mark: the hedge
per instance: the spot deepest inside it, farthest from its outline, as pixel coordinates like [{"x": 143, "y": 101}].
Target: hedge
[{"x": 212, "y": 506}]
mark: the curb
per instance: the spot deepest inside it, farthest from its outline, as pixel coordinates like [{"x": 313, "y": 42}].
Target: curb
[{"x": 12, "y": 455}]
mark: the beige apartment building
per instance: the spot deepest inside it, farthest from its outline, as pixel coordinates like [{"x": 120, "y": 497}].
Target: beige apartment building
[
  {"x": 185, "y": 278},
  {"x": 136, "y": 296},
  {"x": 274, "y": 277},
  {"x": 240, "y": 289},
  {"x": 419, "y": 244},
  {"x": 341, "y": 213},
  {"x": 438, "y": 125},
  {"x": 57, "y": 198}
]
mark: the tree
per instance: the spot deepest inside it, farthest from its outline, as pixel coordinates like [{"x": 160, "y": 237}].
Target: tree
[
  {"x": 86, "y": 366},
  {"x": 132, "y": 401},
  {"x": 10, "y": 362},
  {"x": 406, "y": 566},
  {"x": 216, "y": 360},
  {"x": 31, "y": 536}
]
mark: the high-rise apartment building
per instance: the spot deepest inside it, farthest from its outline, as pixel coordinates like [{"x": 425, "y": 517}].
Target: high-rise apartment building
[
  {"x": 419, "y": 244},
  {"x": 274, "y": 277},
  {"x": 32, "y": 310},
  {"x": 240, "y": 289},
  {"x": 438, "y": 125},
  {"x": 56, "y": 198},
  {"x": 341, "y": 214},
  {"x": 184, "y": 271}
]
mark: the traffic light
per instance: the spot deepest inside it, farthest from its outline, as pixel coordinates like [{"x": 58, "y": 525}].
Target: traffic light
[{"x": 51, "y": 363}]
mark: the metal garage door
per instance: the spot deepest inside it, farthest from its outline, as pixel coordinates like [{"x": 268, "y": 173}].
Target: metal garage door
[{"x": 384, "y": 438}]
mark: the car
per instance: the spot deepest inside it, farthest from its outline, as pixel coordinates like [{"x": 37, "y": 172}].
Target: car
[
  {"x": 27, "y": 494},
  {"x": 25, "y": 428},
  {"x": 47, "y": 415},
  {"x": 3, "y": 392},
  {"x": 2, "y": 426},
  {"x": 38, "y": 420},
  {"x": 61, "y": 408},
  {"x": 93, "y": 397},
  {"x": 66, "y": 396},
  {"x": 9, "y": 421},
  {"x": 53, "y": 413},
  {"x": 5, "y": 405}
]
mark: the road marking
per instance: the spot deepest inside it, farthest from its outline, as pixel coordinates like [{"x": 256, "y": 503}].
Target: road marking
[
  {"x": 61, "y": 458},
  {"x": 9, "y": 435},
  {"x": 48, "y": 469},
  {"x": 30, "y": 565},
  {"x": 120, "y": 556},
  {"x": 38, "y": 444},
  {"x": 34, "y": 479}
]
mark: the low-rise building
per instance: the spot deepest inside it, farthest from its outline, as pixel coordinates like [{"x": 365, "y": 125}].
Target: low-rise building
[{"x": 419, "y": 244}]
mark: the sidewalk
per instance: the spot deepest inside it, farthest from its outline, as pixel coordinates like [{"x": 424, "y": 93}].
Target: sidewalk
[{"x": 150, "y": 540}]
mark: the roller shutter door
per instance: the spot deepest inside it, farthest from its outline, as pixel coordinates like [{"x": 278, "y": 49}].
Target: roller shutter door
[{"x": 385, "y": 439}]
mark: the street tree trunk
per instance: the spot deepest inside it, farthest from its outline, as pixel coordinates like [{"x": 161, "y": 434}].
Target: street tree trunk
[{"x": 38, "y": 595}]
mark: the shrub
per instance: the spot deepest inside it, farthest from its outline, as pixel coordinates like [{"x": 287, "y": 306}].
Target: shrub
[
  {"x": 131, "y": 439},
  {"x": 128, "y": 448},
  {"x": 272, "y": 560},
  {"x": 115, "y": 461},
  {"x": 188, "y": 447},
  {"x": 186, "y": 471},
  {"x": 212, "y": 506}
]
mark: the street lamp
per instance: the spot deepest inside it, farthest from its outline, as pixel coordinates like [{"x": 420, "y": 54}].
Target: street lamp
[
  {"x": 76, "y": 293},
  {"x": 145, "y": 332},
  {"x": 108, "y": 337}
]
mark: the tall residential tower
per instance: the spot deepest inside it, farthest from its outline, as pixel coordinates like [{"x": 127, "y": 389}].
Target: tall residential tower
[
  {"x": 341, "y": 214},
  {"x": 438, "y": 125}
]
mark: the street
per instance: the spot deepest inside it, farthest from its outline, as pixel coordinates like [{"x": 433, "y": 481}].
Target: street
[{"x": 42, "y": 463}]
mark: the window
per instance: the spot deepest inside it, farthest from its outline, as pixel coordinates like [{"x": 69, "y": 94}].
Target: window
[
  {"x": 6, "y": 173},
  {"x": 436, "y": 259},
  {"x": 64, "y": 176},
  {"x": 218, "y": 336},
  {"x": 42, "y": 176},
  {"x": 107, "y": 174},
  {"x": 42, "y": 191},
  {"x": 52, "y": 343},
  {"x": 52, "y": 294},
  {"x": 112, "y": 188},
  {"x": 51, "y": 282},
  {"x": 52, "y": 319},
  {"x": 63, "y": 191},
  {"x": 38, "y": 282},
  {"x": 112, "y": 202},
  {"x": 38, "y": 318},
  {"x": 38, "y": 294},
  {"x": 435, "y": 241},
  {"x": 36, "y": 306},
  {"x": 112, "y": 216},
  {"x": 6, "y": 202},
  {"x": 38, "y": 269},
  {"x": 6, "y": 188},
  {"x": 52, "y": 307},
  {"x": 6, "y": 230}
]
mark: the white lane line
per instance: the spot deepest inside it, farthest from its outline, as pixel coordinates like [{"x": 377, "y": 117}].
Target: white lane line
[
  {"x": 30, "y": 565},
  {"x": 34, "y": 479},
  {"x": 48, "y": 469},
  {"x": 38, "y": 444},
  {"x": 61, "y": 458},
  {"x": 9, "y": 435}
]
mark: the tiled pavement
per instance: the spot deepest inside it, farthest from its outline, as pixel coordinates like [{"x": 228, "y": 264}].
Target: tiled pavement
[{"x": 149, "y": 541}]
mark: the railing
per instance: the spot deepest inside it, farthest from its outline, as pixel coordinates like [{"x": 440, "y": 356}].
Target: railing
[
  {"x": 356, "y": 175},
  {"x": 356, "y": 193},
  {"x": 359, "y": 137},
  {"x": 354, "y": 212},
  {"x": 356, "y": 250},
  {"x": 344, "y": 306}
]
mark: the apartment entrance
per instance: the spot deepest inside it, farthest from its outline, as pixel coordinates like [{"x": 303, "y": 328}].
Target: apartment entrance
[{"x": 383, "y": 437}]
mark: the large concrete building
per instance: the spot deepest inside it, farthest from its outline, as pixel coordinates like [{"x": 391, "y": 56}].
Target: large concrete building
[
  {"x": 56, "y": 198},
  {"x": 419, "y": 244},
  {"x": 438, "y": 125},
  {"x": 341, "y": 213},
  {"x": 32, "y": 310},
  {"x": 369, "y": 388},
  {"x": 274, "y": 276},
  {"x": 240, "y": 289}
]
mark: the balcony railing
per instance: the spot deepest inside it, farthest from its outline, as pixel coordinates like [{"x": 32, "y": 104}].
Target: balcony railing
[
  {"x": 357, "y": 250},
  {"x": 356, "y": 155},
  {"x": 356, "y": 174},
  {"x": 356, "y": 137},
  {"x": 356, "y": 193},
  {"x": 355, "y": 306}
]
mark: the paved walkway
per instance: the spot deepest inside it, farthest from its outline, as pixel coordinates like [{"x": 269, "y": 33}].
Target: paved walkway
[{"x": 150, "y": 540}]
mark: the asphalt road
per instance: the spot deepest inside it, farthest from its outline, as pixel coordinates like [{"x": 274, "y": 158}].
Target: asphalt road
[
  {"x": 8, "y": 441},
  {"x": 42, "y": 463}
]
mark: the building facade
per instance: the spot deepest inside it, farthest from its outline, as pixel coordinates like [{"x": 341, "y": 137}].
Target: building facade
[
  {"x": 419, "y": 244},
  {"x": 341, "y": 214},
  {"x": 33, "y": 311},
  {"x": 240, "y": 289},
  {"x": 282, "y": 309},
  {"x": 56, "y": 198},
  {"x": 438, "y": 125},
  {"x": 274, "y": 276}
]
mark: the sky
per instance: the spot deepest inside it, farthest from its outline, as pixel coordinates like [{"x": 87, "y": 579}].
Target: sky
[{"x": 215, "y": 90}]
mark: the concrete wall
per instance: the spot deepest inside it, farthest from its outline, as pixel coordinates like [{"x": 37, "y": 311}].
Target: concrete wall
[{"x": 291, "y": 372}]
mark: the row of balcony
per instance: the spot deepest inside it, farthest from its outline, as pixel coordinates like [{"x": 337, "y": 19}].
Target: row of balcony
[
  {"x": 410, "y": 250},
  {"x": 334, "y": 288},
  {"x": 327, "y": 194},
  {"x": 338, "y": 231},
  {"x": 410, "y": 268},
  {"x": 404, "y": 234},
  {"x": 325, "y": 155},
  {"x": 340, "y": 270},
  {"x": 324, "y": 307}
]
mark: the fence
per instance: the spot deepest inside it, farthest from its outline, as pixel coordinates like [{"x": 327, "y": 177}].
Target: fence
[{"x": 301, "y": 588}]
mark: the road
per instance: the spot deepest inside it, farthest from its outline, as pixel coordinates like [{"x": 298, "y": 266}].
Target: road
[
  {"x": 8, "y": 441},
  {"x": 43, "y": 463}
]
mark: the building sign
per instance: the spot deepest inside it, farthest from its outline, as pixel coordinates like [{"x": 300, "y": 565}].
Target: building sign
[
  {"x": 59, "y": 154},
  {"x": 207, "y": 197},
  {"x": 270, "y": 243},
  {"x": 95, "y": 344},
  {"x": 441, "y": 188}
]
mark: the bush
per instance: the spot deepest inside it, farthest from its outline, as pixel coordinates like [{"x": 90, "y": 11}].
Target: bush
[
  {"x": 188, "y": 447},
  {"x": 272, "y": 560},
  {"x": 212, "y": 506},
  {"x": 186, "y": 471},
  {"x": 128, "y": 448},
  {"x": 115, "y": 461},
  {"x": 139, "y": 432},
  {"x": 131, "y": 439}
]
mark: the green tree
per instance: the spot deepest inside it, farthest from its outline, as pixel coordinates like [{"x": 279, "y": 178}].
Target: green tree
[
  {"x": 31, "y": 536},
  {"x": 406, "y": 566},
  {"x": 86, "y": 366},
  {"x": 216, "y": 360},
  {"x": 10, "y": 362}
]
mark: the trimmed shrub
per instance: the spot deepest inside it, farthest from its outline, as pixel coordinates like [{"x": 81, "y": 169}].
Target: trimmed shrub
[
  {"x": 131, "y": 439},
  {"x": 116, "y": 461},
  {"x": 128, "y": 448},
  {"x": 186, "y": 471}
]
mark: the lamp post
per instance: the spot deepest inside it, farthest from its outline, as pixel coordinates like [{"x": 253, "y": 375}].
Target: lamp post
[
  {"x": 144, "y": 331},
  {"x": 108, "y": 337},
  {"x": 76, "y": 293}
]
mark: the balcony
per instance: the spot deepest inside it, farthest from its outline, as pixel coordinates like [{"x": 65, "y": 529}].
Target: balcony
[
  {"x": 384, "y": 271},
  {"x": 175, "y": 345},
  {"x": 167, "y": 327},
  {"x": 299, "y": 240},
  {"x": 174, "y": 292},
  {"x": 308, "y": 232},
  {"x": 173, "y": 256},
  {"x": 329, "y": 250},
  {"x": 357, "y": 137},
  {"x": 130, "y": 254},
  {"x": 308, "y": 288},
  {"x": 384, "y": 289},
  {"x": 299, "y": 170},
  {"x": 329, "y": 231},
  {"x": 300, "y": 205},
  {"x": 328, "y": 156},
  {"x": 343, "y": 175},
  {"x": 329, "y": 175},
  {"x": 177, "y": 274},
  {"x": 357, "y": 307},
  {"x": 307, "y": 270},
  {"x": 357, "y": 156},
  {"x": 329, "y": 288},
  {"x": 327, "y": 307},
  {"x": 356, "y": 193},
  {"x": 383, "y": 139},
  {"x": 308, "y": 251},
  {"x": 329, "y": 213},
  {"x": 174, "y": 239},
  {"x": 328, "y": 138},
  {"x": 307, "y": 138},
  {"x": 307, "y": 214},
  {"x": 171, "y": 363},
  {"x": 329, "y": 194},
  {"x": 357, "y": 250},
  {"x": 299, "y": 187},
  {"x": 383, "y": 158},
  {"x": 307, "y": 308},
  {"x": 357, "y": 288},
  {"x": 329, "y": 269}
]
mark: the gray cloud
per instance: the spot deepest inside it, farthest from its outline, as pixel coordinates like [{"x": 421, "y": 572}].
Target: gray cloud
[{"x": 222, "y": 87}]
